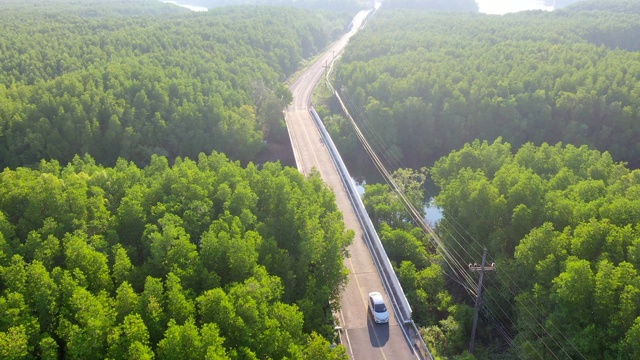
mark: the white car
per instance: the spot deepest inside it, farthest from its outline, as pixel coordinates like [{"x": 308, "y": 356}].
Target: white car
[{"x": 377, "y": 308}]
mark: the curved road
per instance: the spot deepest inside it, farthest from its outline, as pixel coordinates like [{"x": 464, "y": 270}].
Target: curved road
[{"x": 363, "y": 339}]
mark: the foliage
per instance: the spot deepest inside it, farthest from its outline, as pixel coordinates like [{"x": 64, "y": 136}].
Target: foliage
[
  {"x": 425, "y": 83},
  {"x": 342, "y": 5},
  {"x": 204, "y": 259},
  {"x": 93, "y": 8},
  {"x": 134, "y": 84},
  {"x": 419, "y": 268},
  {"x": 561, "y": 223},
  {"x": 627, "y": 6}
]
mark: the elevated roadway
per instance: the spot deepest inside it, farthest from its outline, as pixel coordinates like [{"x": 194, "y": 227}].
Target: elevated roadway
[{"x": 363, "y": 339}]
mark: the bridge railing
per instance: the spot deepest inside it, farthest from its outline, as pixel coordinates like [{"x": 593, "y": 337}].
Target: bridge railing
[{"x": 398, "y": 299}]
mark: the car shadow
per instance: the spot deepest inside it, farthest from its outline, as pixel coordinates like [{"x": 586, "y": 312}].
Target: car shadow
[{"x": 378, "y": 333}]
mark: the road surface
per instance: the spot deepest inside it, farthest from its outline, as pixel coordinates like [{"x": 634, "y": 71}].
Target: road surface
[{"x": 363, "y": 339}]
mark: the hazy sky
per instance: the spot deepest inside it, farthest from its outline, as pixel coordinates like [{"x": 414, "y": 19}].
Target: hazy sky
[{"x": 506, "y": 6}]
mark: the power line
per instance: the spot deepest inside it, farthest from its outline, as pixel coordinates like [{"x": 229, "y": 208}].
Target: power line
[{"x": 454, "y": 262}]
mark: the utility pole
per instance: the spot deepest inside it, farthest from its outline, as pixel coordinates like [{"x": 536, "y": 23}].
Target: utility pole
[{"x": 482, "y": 269}]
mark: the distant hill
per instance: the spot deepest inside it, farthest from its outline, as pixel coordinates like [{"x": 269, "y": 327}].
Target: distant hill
[
  {"x": 78, "y": 80},
  {"x": 440, "y": 5},
  {"x": 558, "y": 4},
  {"x": 91, "y": 8},
  {"x": 626, "y": 6},
  {"x": 345, "y": 5}
]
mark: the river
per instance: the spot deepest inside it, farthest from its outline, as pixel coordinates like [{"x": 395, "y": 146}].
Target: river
[{"x": 432, "y": 213}]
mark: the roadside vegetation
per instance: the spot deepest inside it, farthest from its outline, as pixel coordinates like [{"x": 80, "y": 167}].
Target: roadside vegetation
[
  {"x": 335, "y": 5},
  {"x": 560, "y": 222},
  {"x": 528, "y": 125},
  {"x": 429, "y": 82},
  {"x": 134, "y": 223},
  {"x": 119, "y": 237},
  {"x": 201, "y": 259},
  {"x": 128, "y": 85}
]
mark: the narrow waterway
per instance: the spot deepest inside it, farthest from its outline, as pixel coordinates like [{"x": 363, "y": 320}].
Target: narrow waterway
[{"x": 432, "y": 213}]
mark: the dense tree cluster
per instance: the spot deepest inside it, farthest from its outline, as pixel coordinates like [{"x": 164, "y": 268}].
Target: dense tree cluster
[
  {"x": 560, "y": 220},
  {"x": 563, "y": 223},
  {"x": 341, "y": 5},
  {"x": 557, "y": 4},
  {"x": 617, "y": 6},
  {"x": 445, "y": 320},
  {"x": 133, "y": 86},
  {"x": 427, "y": 82},
  {"x": 197, "y": 260},
  {"x": 194, "y": 260},
  {"x": 91, "y": 8}
]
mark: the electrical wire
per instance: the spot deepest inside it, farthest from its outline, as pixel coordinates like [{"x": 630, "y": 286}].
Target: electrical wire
[{"x": 454, "y": 261}]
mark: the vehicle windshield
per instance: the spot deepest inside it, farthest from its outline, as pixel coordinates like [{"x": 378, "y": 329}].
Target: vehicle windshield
[{"x": 380, "y": 308}]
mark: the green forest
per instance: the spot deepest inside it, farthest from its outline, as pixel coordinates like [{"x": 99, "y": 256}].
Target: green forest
[
  {"x": 203, "y": 259},
  {"x": 136, "y": 223},
  {"x": 118, "y": 85},
  {"x": 429, "y": 82},
  {"x": 560, "y": 222},
  {"x": 528, "y": 125},
  {"x": 340, "y": 5},
  {"x": 119, "y": 237}
]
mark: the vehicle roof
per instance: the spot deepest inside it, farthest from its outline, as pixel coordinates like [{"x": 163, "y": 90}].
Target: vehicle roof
[{"x": 376, "y": 296}]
